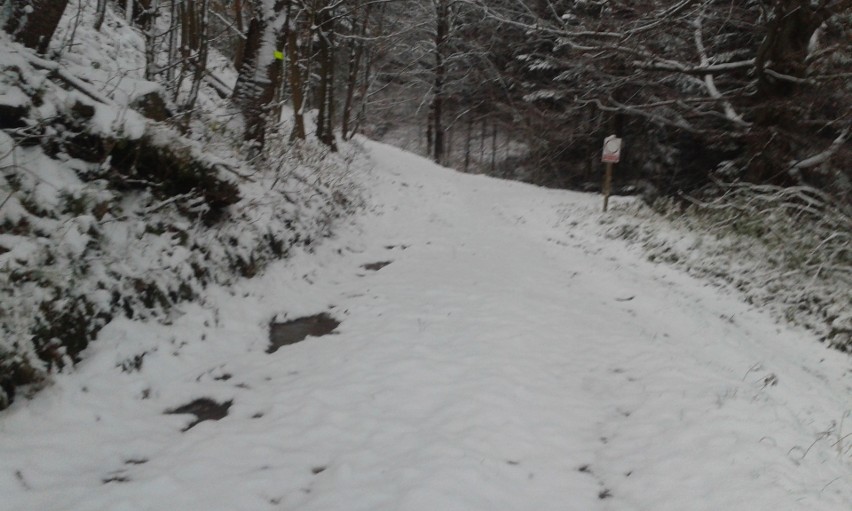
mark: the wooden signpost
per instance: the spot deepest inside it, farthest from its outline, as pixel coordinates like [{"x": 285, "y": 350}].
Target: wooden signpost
[{"x": 611, "y": 155}]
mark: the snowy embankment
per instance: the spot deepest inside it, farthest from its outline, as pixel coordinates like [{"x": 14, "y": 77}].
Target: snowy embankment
[
  {"x": 786, "y": 250},
  {"x": 506, "y": 358},
  {"x": 108, "y": 209}
]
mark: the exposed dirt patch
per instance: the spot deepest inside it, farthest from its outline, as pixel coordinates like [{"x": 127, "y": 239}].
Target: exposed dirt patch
[
  {"x": 291, "y": 332},
  {"x": 204, "y": 409},
  {"x": 116, "y": 479},
  {"x": 376, "y": 266}
]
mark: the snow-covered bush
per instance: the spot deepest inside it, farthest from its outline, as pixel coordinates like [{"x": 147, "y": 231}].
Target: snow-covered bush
[
  {"x": 79, "y": 247},
  {"x": 786, "y": 248}
]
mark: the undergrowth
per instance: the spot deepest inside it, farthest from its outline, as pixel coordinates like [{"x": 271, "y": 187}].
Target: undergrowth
[
  {"x": 142, "y": 220},
  {"x": 787, "y": 249}
]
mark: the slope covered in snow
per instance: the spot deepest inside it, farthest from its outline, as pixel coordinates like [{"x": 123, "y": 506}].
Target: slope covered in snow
[
  {"x": 502, "y": 355},
  {"x": 108, "y": 209}
]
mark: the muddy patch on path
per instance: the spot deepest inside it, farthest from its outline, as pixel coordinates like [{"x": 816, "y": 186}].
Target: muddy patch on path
[
  {"x": 297, "y": 330},
  {"x": 376, "y": 266},
  {"x": 204, "y": 409}
]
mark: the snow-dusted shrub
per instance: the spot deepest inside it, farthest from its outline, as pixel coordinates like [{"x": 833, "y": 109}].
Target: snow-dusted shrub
[
  {"x": 74, "y": 256},
  {"x": 789, "y": 248}
]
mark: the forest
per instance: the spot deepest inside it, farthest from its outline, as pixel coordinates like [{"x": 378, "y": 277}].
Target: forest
[
  {"x": 737, "y": 109},
  {"x": 700, "y": 90}
]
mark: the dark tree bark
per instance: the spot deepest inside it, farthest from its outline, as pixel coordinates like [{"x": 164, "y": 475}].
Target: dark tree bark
[
  {"x": 356, "y": 55},
  {"x": 260, "y": 73},
  {"x": 297, "y": 83},
  {"x": 467, "y": 141},
  {"x": 100, "y": 14},
  {"x": 325, "y": 92},
  {"x": 196, "y": 42},
  {"x": 493, "y": 148},
  {"x": 33, "y": 22},
  {"x": 144, "y": 12},
  {"x": 442, "y": 28},
  {"x": 430, "y": 126},
  {"x": 248, "y": 94},
  {"x": 367, "y": 77}
]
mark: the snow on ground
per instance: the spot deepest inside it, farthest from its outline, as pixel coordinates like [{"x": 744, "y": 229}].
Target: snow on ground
[{"x": 505, "y": 359}]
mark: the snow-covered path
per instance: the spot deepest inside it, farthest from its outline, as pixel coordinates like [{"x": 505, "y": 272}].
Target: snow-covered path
[{"x": 508, "y": 358}]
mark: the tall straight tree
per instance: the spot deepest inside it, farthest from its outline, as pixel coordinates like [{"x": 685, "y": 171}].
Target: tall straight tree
[
  {"x": 195, "y": 45},
  {"x": 359, "y": 18},
  {"x": 296, "y": 74},
  {"x": 260, "y": 73},
  {"x": 442, "y": 29},
  {"x": 325, "y": 23}
]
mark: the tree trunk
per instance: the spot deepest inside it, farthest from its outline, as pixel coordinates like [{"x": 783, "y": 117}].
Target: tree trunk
[
  {"x": 146, "y": 23},
  {"x": 325, "y": 94},
  {"x": 356, "y": 53},
  {"x": 258, "y": 76},
  {"x": 447, "y": 156},
  {"x": 247, "y": 91},
  {"x": 144, "y": 12},
  {"x": 196, "y": 40},
  {"x": 100, "y": 14},
  {"x": 493, "y": 148},
  {"x": 468, "y": 137},
  {"x": 363, "y": 94},
  {"x": 173, "y": 43},
  {"x": 442, "y": 13},
  {"x": 482, "y": 135},
  {"x": 33, "y": 22},
  {"x": 297, "y": 83},
  {"x": 430, "y": 125}
]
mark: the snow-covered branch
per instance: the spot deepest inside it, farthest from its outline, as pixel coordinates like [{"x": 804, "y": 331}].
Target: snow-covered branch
[
  {"x": 68, "y": 78},
  {"x": 824, "y": 156},
  {"x": 709, "y": 80}
]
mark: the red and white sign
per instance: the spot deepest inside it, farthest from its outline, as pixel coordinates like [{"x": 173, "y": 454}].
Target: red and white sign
[{"x": 611, "y": 149}]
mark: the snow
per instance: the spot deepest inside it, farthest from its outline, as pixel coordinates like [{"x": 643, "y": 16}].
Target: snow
[
  {"x": 14, "y": 97},
  {"x": 509, "y": 357}
]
